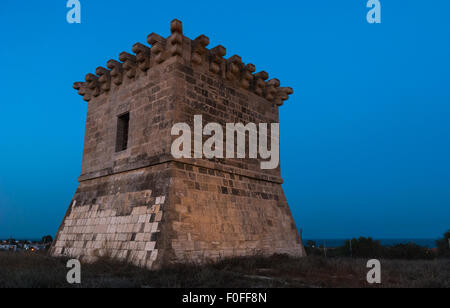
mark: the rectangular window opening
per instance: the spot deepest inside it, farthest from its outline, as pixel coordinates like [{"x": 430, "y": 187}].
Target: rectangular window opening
[{"x": 123, "y": 123}]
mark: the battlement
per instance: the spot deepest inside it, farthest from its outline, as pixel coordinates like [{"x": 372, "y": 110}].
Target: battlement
[{"x": 189, "y": 52}]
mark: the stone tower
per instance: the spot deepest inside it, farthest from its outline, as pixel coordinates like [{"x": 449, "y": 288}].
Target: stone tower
[{"x": 135, "y": 201}]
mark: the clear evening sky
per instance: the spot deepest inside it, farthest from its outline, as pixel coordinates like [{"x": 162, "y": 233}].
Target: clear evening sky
[{"x": 365, "y": 139}]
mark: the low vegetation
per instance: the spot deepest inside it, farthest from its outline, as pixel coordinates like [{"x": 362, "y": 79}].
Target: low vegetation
[
  {"x": 402, "y": 266},
  {"x": 369, "y": 248},
  {"x": 27, "y": 270}
]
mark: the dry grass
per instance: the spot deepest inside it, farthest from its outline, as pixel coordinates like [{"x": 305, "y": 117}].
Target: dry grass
[{"x": 40, "y": 271}]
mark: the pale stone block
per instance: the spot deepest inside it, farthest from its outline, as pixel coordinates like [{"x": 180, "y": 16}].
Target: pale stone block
[
  {"x": 134, "y": 218},
  {"x": 154, "y": 255},
  {"x": 147, "y": 237},
  {"x": 135, "y": 211},
  {"x": 137, "y": 228},
  {"x": 139, "y": 237},
  {"x": 141, "y": 254},
  {"x": 142, "y": 219},
  {"x": 150, "y": 246}
]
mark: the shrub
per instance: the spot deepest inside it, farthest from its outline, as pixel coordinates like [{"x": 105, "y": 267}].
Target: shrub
[
  {"x": 408, "y": 252},
  {"x": 443, "y": 246},
  {"x": 365, "y": 248}
]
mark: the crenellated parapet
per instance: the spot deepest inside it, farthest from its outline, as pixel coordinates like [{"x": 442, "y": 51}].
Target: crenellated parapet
[
  {"x": 104, "y": 79},
  {"x": 191, "y": 52},
  {"x": 199, "y": 50},
  {"x": 175, "y": 41},
  {"x": 116, "y": 72},
  {"x": 142, "y": 56},
  {"x": 158, "y": 48},
  {"x": 129, "y": 64}
]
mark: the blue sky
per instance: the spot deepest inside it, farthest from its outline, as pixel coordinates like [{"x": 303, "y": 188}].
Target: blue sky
[{"x": 365, "y": 138}]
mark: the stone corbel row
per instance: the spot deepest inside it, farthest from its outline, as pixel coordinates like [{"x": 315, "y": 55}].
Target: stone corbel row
[
  {"x": 232, "y": 69},
  {"x": 146, "y": 57}
]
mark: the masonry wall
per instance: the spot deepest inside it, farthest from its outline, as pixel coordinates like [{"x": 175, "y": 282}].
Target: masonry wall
[
  {"x": 117, "y": 210},
  {"x": 117, "y": 216},
  {"x": 226, "y": 207},
  {"x": 149, "y": 98},
  {"x": 218, "y": 101},
  {"x": 176, "y": 212},
  {"x": 216, "y": 214},
  {"x": 143, "y": 206}
]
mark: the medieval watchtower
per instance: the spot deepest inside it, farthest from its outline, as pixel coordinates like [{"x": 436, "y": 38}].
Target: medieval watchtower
[{"x": 135, "y": 201}]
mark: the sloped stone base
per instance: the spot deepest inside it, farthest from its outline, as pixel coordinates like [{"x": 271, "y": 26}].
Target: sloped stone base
[{"x": 176, "y": 212}]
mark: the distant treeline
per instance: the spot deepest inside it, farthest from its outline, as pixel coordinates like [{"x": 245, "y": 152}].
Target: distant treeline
[{"x": 369, "y": 248}]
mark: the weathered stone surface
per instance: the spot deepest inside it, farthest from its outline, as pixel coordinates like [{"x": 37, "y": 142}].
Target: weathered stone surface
[{"x": 148, "y": 208}]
